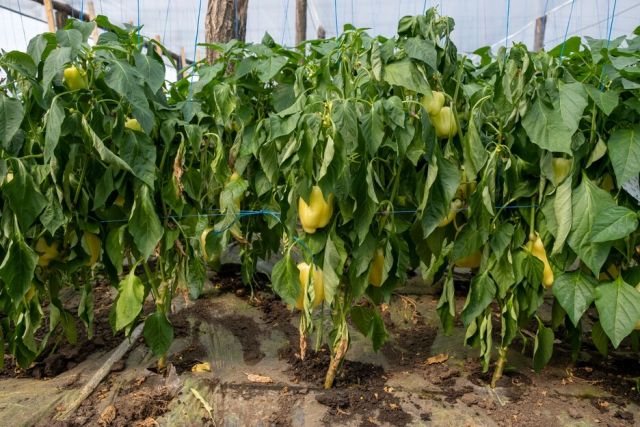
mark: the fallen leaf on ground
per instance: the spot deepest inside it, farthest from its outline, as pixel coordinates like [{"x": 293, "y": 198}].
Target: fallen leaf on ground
[
  {"x": 108, "y": 415},
  {"x": 204, "y": 403},
  {"x": 254, "y": 378},
  {"x": 438, "y": 358},
  {"x": 201, "y": 367}
]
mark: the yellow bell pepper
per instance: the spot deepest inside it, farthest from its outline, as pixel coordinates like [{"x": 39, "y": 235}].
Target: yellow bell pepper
[
  {"x": 318, "y": 284},
  {"x": 471, "y": 261},
  {"x": 561, "y": 168},
  {"x": 46, "y": 252},
  {"x": 433, "y": 104},
  {"x": 445, "y": 123},
  {"x": 75, "y": 78},
  {"x": 455, "y": 207},
  {"x": 536, "y": 248},
  {"x": 133, "y": 124},
  {"x": 317, "y": 213},
  {"x": 377, "y": 267}
]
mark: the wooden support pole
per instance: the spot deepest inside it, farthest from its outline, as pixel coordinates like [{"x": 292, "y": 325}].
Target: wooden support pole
[
  {"x": 182, "y": 63},
  {"x": 301, "y": 21},
  {"x": 158, "y": 50},
  {"x": 538, "y": 38},
  {"x": 321, "y": 32},
  {"x": 48, "y": 11},
  {"x": 92, "y": 14},
  {"x": 61, "y": 19}
]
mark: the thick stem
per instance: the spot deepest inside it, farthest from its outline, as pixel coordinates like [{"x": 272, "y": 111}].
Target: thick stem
[
  {"x": 340, "y": 351},
  {"x": 502, "y": 360}
]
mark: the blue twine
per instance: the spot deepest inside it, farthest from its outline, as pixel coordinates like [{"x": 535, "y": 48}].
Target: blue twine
[
  {"x": 195, "y": 47},
  {"x": 286, "y": 17},
  {"x": 101, "y": 10},
  {"x": 24, "y": 33},
  {"x": 566, "y": 31},
  {"x": 335, "y": 15},
  {"x": 138, "y": 5},
  {"x": 613, "y": 15},
  {"x": 82, "y": 10},
  {"x": 424, "y": 7},
  {"x": 166, "y": 20},
  {"x": 506, "y": 37}
]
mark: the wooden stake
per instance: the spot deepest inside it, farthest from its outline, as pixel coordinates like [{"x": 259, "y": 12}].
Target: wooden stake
[
  {"x": 48, "y": 11},
  {"x": 538, "y": 38},
  {"x": 158, "y": 50},
  {"x": 91, "y": 15},
  {"x": 301, "y": 21}
]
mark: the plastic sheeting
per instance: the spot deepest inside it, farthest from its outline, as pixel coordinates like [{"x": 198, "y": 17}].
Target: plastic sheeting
[{"x": 478, "y": 22}]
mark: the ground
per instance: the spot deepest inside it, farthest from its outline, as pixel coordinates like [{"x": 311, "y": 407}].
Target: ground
[{"x": 421, "y": 377}]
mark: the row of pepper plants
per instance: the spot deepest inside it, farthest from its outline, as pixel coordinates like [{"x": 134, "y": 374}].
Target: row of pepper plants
[{"x": 353, "y": 159}]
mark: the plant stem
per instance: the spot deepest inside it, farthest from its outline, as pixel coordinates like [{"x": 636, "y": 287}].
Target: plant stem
[
  {"x": 497, "y": 373},
  {"x": 340, "y": 351}
]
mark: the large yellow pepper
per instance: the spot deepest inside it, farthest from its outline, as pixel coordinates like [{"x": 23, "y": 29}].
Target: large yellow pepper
[
  {"x": 445, "y": 123},
  {"x": 317, "y": 213},
  {"x": 561, "y": 168},
  {"x": 75, "y": 78},
  {"x": 377, "y": 267},
  {"x": 434, "y": 103},
  {"x": 536, "y": 248},
  {"x": 133, "y": 124},
  {"x": 471, "y": 261},
  {"x": 46, "y": 252},
  {"x": 318, "y": 285},
  {"x": 456, "y": 205}
]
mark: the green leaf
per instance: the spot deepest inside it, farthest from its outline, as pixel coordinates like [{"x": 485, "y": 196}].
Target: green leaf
[
  {"x": 481, "y": 293},
  {"x": 158, "y": 333},
  {"x": 285, "y": 280},
  {"x": 333, "y": 265},
  {"x": 542, "y": 347},
  {"x": 53, "y": 119},
  {"x": 546, "y": 129},
  {"x": 475, "y": 154},
  {"x": 573, "y": 101},
  {"x": 144, "y": 224},
  {"x": 268, "y": 68},
  {"x": 17, "y": 269},
  {"x": 575, "y": 293},
  {"x": 618, "y": 307},
  {"x": 129, "y": 302},
  {"x": 405, "y": 73},
  {"x": 370, "y": 324},
  {"x": 606, "y": 101},
  {"x": 422, "y": 50},
  {"x": 600, "y": 339},
  {"x": 11, "y": 115},
  {"x": 137, "y": 150},
  {"x": 442, "y": 192},
  {"x": 624, "y": 152},
  {"x": 70, "y": 38},
  {"x": 54, "y": 65},
  {"x": 588, "y": 203},
  {"x": 40, "y": 46},
  {"x": 615, "y": 223},
  {"x": 127, "y": 81},
  {"x": 151, "y": 70},
  {"x": 562, "y": 209},
  {"x": 105, "y": 154},
  {"x": 20, "y": 62},
  {"x": 24, "y": 198},
  {"x": 115, "y": 247},
  {"x": 52, "y": 217}
]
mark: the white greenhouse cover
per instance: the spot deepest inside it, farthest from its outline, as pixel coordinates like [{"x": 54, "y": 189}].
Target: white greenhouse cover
[{"x": 478, "y": 22}]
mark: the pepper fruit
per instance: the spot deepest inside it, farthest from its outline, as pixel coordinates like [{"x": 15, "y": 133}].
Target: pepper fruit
[
  {"x": 119, "y": 201},
  {"x": 638, "y": 322},
  {"x": 536, "y": 248},
  {"x": 133, "y": 124},
  {"x": 377, "y": 268},
  {"x": 46, "y": 252},
  {"x": 434, "y": 103},
  {"x": 75, "y": 78},
  {"x": 561, "y": 168},
  {"x": 471, "y": 261},
  {"x": 456, "y": 205},
  {"x": 445, "y": 123},
  {"x": 317, "y": 213},
  {"x": 203, "y": 242},
  {"x": 318, "y": 284},
  {"x": 235, "y": 228},
  {"x": 92, "y": 243}
]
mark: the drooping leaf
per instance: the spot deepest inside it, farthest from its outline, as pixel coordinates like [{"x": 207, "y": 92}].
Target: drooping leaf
[
  {"x": 624, "y": 152},
  {"x": 285, "y": 281},
  {"x": 618, "y": 305},
  {"x": 575, "y": 293},
  {"x": 129, "y": 302},
  {"x": 158, "y": 333},
  {"x": 11, "y": 115},
  {"x": 17, "y": 269},
  {"x": 144, "y": 224}
]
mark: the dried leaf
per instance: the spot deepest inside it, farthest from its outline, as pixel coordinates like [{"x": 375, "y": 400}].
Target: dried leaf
[
  {"x": 201, "y": 367},
  {"x": 204, "y": 403},
  {"x": 438, "y": 358},
  {"x": 258, "y": 378},
  {"x": 108, "y": 415}
]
